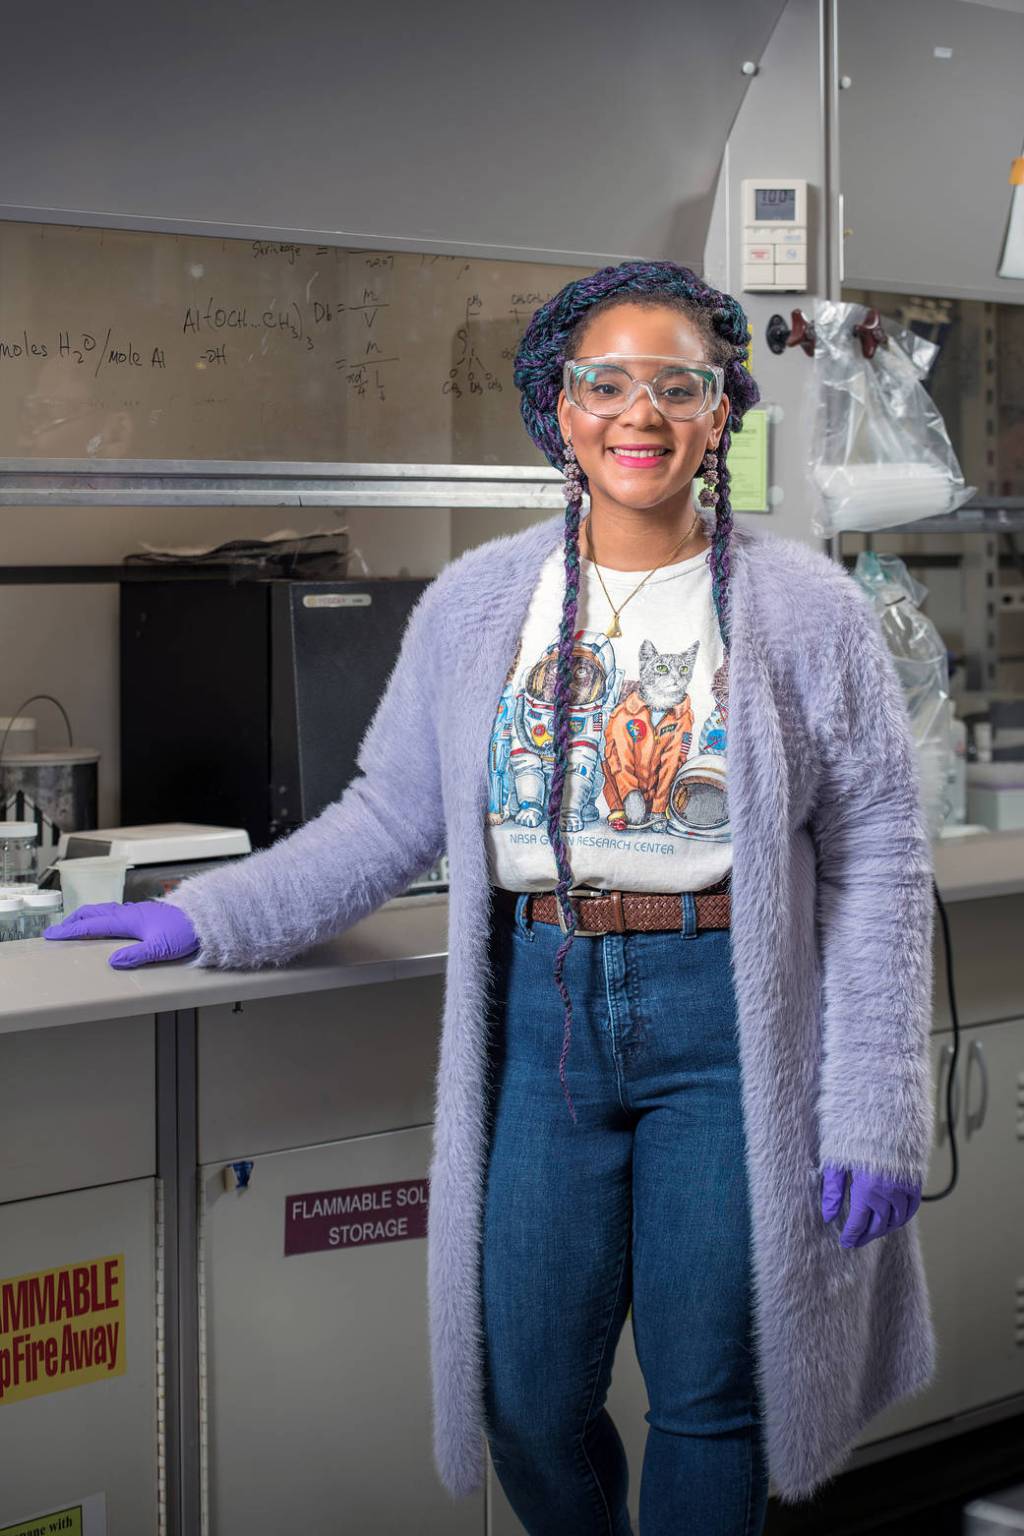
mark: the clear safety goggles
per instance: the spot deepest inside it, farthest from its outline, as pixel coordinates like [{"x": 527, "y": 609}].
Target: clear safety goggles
[{"x": 605, "y": 386}]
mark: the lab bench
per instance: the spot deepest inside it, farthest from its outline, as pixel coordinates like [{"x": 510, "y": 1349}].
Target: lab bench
[{"x": 213, "y": 1194}]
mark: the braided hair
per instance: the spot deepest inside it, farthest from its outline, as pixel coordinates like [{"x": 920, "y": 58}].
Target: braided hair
[{"x": 554, "y": 334}]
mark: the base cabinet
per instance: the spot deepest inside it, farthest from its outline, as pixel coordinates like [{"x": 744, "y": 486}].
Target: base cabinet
[
  {"x": 317, "y": 1381},
  {"x": 972, "y": 1242},
  {"x": 79, "y": 1420}
]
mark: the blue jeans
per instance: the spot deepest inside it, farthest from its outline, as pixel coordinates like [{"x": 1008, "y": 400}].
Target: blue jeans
[{"x": 643, "y": 1201}]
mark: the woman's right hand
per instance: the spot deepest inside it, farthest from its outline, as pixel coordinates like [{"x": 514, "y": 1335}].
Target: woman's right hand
[{"x": 166, "y": 933}]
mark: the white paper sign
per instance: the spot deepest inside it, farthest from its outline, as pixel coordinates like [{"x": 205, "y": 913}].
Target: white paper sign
[{"x": 85, "y": 1517}]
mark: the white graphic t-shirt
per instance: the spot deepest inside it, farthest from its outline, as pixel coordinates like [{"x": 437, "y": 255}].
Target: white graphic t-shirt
[{"x": 644, "y": 806}]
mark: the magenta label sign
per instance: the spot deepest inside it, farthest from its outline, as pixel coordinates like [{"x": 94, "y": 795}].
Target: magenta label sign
[{"x": 356, "y": 1217}]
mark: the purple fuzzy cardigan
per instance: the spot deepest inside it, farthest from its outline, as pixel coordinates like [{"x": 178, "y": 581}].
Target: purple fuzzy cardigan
[{"x": 831, "y": 950}]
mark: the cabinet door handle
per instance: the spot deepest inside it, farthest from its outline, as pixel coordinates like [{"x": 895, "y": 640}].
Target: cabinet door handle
[
  {"x": 976, "y": 1121},
  {"x": 941, "y": 1127}
]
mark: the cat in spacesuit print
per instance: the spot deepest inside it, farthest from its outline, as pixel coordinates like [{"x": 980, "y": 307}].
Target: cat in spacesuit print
[
  {"x": 648, "y": 738},
  {"x": 522, "y": 742}
]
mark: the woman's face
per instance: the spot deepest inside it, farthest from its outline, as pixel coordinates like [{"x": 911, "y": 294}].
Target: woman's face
[{"x": 636, "y": 330}]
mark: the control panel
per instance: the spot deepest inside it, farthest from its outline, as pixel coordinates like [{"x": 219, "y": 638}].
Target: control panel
[{"x": 774, "y": 234}]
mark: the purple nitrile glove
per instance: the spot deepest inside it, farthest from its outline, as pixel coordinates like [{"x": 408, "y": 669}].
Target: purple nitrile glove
[
  {"x": 878, "y": 1205},
  {"x": 165, "y": 931}
]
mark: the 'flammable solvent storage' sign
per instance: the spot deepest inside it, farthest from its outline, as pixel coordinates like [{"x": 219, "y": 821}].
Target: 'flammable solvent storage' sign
[
  {"x": 355, "y": 1217},
  {"x": 61, "y": 1328}
]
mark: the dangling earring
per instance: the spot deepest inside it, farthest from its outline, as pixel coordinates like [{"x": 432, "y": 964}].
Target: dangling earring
[
  {"x": 571, "y": 488},
  {"x": 709, "y": 474}
]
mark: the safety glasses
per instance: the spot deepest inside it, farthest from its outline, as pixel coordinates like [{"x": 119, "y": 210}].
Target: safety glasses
[{"x": 605, "y": 386}]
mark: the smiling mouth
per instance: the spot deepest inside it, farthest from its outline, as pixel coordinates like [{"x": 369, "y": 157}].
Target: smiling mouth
[{"x": 639, "y": 455}]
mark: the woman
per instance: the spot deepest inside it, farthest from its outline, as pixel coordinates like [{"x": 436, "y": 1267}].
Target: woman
[{"x": 751, "y": 998}]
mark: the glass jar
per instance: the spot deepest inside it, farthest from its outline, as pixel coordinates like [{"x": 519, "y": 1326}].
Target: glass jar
[
  {"x": 40, "y": 910},
  {"x": 10, "y": 919},
  {"x": 19, "y": 852}
]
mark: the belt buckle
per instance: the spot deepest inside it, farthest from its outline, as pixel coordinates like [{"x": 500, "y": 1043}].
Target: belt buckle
[{"x": 581, "y": 933}]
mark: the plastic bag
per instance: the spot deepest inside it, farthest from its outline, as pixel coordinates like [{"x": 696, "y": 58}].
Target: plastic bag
[
  {"x": 880, "y": 453},
  {"x": 922, "y": 665}
]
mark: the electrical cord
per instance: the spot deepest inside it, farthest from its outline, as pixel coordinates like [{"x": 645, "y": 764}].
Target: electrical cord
[{"x": 951, "y": 986}]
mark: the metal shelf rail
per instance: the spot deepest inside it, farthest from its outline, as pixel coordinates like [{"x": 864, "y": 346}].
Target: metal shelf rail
[{"x": 235, "y": 482}]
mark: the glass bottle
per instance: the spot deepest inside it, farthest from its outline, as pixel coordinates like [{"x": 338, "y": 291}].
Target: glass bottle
[
  {"x": 41, "y": 910},
  {"x": 10, "y": 919},
  {"x": 19, "y": 852}
]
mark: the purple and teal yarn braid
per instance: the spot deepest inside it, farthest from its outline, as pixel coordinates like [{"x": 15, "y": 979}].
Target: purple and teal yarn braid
[
  {"x": 563, "y": 675},
  {"x": 555, "y": 333}
]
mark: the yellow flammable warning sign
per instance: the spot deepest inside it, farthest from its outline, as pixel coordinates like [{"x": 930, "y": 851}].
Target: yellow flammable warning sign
[{"x": 61, "y": 1328}]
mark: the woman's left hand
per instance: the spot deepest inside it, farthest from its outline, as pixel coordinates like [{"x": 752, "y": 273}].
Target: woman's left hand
[{"x": 878, "y": 1205}]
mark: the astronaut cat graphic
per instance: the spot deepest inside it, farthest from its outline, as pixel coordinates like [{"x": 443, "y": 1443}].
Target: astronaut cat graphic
[
  {"x": 648, "y": 738},
  {"x": 629, "y": 746},
  {"x": 651, "y": 779},
  {"x": 522, "y": 745}
]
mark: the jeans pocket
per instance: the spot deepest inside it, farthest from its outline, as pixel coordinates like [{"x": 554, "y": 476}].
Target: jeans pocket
[{"x": 521, "y": 929}]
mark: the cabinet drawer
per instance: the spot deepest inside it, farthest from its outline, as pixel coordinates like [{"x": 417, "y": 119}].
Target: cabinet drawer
[
  {"x": 294, "y": 1071},
  {"x": 78, "y": 1107},
  {"x": 986, "y": 940}
]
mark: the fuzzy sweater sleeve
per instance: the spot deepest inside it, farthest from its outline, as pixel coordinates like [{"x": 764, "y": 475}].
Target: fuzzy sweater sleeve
[
  {"x": 875, "y": 909},
  {"x": 387, "y": 826}
]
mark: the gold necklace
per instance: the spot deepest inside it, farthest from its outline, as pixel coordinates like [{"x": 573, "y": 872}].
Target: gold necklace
[{"x": 613, "y": 630}]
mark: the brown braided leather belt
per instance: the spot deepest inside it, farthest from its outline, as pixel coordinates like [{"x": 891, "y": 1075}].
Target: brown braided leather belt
[{"x": 600, "y": 912}]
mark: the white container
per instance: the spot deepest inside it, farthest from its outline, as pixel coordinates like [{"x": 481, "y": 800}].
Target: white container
[
  {"x": 20, "y": 731},
  {"x": 41, "y": 909},
  {"x": 86, "y": 881},
  {"x": 60, "y": 789},
  {"x": 10, "y": 919},
  {"x": 19, "y": 852},
  {"x": 1001, "y": 810}
]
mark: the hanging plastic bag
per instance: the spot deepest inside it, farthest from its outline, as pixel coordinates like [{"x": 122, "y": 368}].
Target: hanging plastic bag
[
  {"x": 922, "y": 665},
  {"x": 880, "y": 453}
]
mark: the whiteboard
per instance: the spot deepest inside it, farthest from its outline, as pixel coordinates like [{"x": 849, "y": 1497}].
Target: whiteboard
[{"x": 137, "y": 344}]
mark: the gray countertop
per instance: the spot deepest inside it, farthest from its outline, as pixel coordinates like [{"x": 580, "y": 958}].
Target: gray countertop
[{"x": 43, "y": 984}]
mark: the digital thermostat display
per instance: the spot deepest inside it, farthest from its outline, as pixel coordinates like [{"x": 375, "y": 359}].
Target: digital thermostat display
[{"x": 772, "y": 203}]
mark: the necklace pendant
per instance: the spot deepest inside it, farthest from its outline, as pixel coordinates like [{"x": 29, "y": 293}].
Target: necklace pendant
[{"x": 613, "y": 629}]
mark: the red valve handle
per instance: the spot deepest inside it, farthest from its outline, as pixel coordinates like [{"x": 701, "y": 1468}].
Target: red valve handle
[
  {"x": 801, "y": 332},
  {"x": 871, "y": 333}
]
